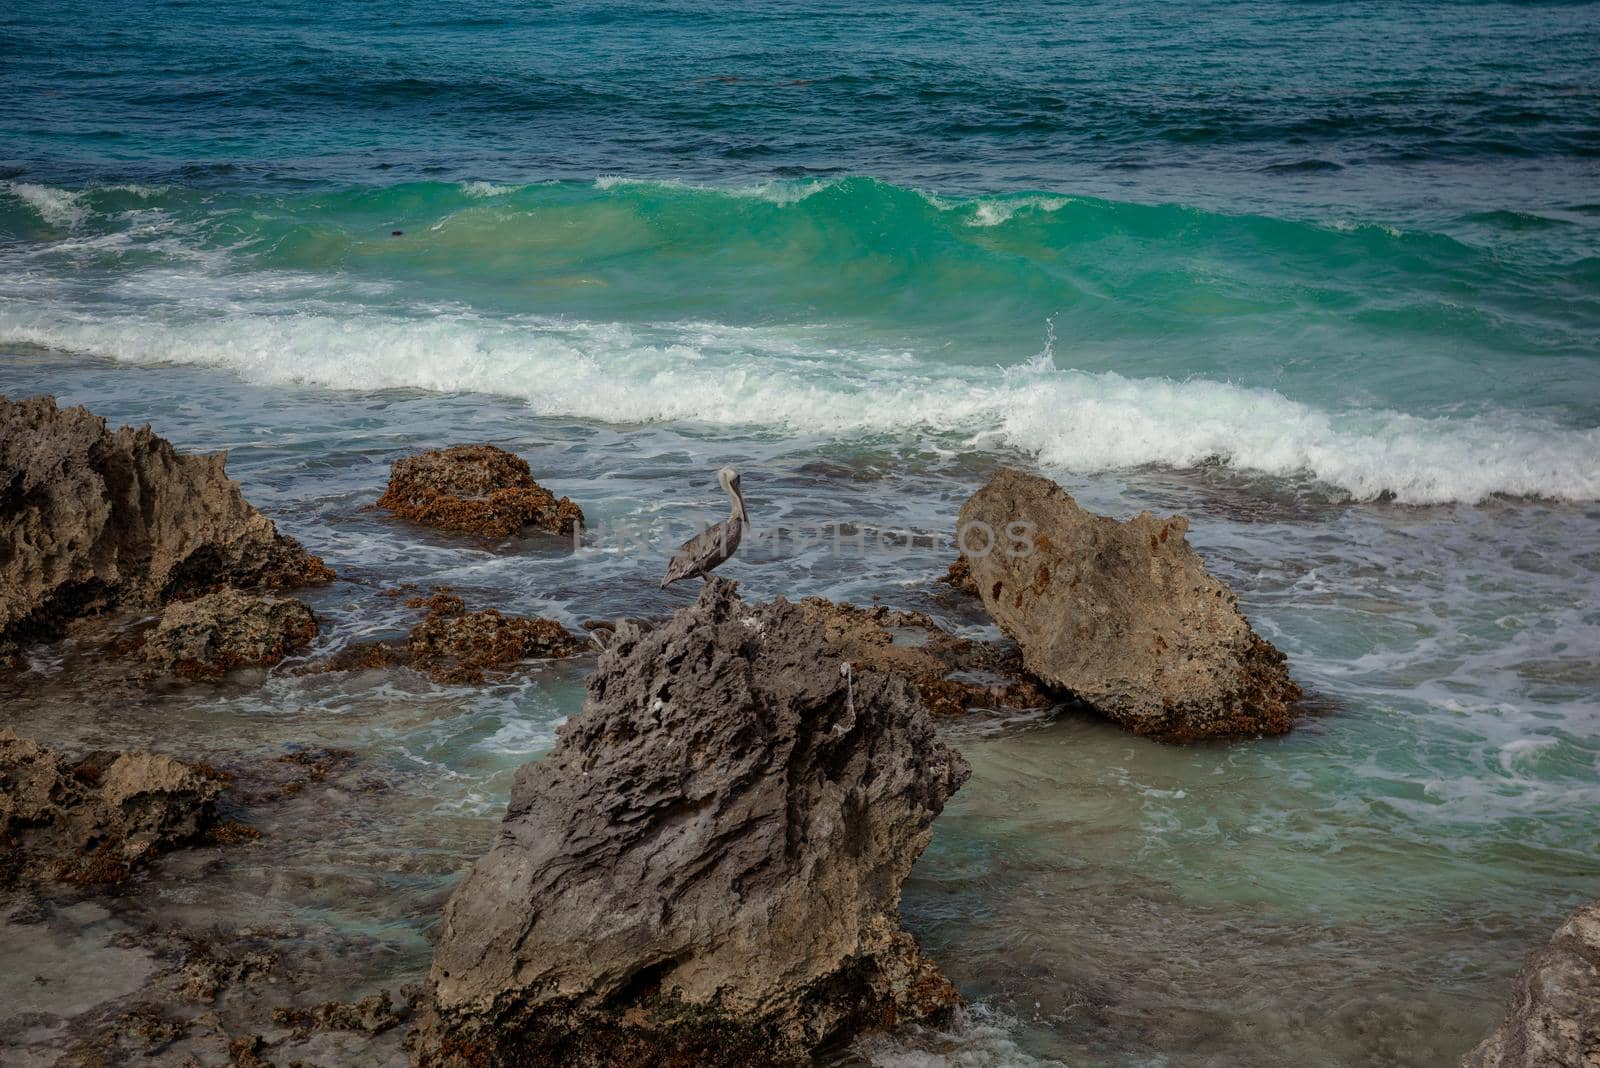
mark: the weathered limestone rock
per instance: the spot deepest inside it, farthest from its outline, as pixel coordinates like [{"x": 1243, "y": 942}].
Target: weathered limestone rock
[
  {"x": 212, "y": 635},
  {"x": 952, "y": 674},
  {"x": 707, "y": 868},
  {"x": 92, "y": 519},
  {"x": 1555, "y": 1014},
  {"x": 1122, "y": 615},
  {"x": 476, "y": 489},
  {"x": 94, "y": 820}
]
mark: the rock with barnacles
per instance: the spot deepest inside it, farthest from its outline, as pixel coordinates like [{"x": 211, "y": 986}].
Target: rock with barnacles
[
  {"x": 1123, "y": 615},
  {"x": 707, "y": 868},
  {"x": 212, "y": 635}
]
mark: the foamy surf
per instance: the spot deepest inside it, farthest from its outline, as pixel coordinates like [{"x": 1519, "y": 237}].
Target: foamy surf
[{"x": 1070, "y": 420}]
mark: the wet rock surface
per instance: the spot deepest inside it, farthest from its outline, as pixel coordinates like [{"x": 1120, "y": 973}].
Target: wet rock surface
[
  {"x": 1122, "y": 614},
  {"x": 476, "y": 489},
  {"x": 215, "y": 634},
  {"x": 95, "y": 819},
  {"x": 93, "y": 519},
  {"x": 952, "y": 674},
  {"x": 1554, "y": 1019},
  {"x": 707, "y": 868}
]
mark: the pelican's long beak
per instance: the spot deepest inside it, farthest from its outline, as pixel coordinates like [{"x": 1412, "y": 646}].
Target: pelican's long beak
[{"x": 738, "y": 495}]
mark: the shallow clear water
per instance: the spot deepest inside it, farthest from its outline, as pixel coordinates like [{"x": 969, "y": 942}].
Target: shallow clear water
[
  {"x": 1325, "y": 278},
  {"x": 1361, "y": 889}
]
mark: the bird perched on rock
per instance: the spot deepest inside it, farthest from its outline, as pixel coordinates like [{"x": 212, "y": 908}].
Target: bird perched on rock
[{"x": 712, "y": 546}]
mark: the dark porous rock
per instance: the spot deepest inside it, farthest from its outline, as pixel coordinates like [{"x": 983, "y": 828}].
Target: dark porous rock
[
  {"x": 1554, "y": 1021},
  {"x": 959, "y": 577},
  {"x": 476, "y": 489},
  {"x": 94, "y": 820},
  {"x": 1121, "y": 614},
  {"x": 707, "y": 868},
  {"x": 93, "y": 519},
  {"x": 214, "y": 634},
  {"x": 952, "y": 674}
]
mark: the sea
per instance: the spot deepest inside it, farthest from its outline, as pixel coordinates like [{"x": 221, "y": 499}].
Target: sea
[{"x": 1323, "y": 277}]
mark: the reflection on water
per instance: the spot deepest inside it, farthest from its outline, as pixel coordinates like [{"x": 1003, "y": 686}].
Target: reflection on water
[{"x": 1358, "y": 891}]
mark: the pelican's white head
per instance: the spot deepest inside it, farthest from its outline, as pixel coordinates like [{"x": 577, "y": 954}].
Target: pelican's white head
[{"x": 730, "y": 485}]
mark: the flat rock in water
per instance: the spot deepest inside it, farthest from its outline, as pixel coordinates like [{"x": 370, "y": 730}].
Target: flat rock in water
[
  {"x": 1123, "y": 615},
  {"x": 476, "y": 489},
  {"x": 707, "y": 868},
  {"x": 93, "y": 519},
  {"x": 1554, "y": 1020}
]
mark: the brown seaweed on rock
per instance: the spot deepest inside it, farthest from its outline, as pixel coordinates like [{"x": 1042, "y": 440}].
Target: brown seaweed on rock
[
  {"x": 93, "y": 519},
  {"x": 476, "y": 489},
  {"x": 707, "y": 868}
]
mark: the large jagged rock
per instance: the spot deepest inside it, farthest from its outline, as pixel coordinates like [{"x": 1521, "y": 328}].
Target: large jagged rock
[
  {"x": 212, "y": 635},
  {"x": 707, "y": 868},
  {"x": 95, "y": 819},
  {"x": 1554, "y": 1020},
  {"x": 476, "y": 489},
  {"x": 1122, "y": 615},
  {"x": 952, "y": 674},
  {"x": 93, "y": 519}
]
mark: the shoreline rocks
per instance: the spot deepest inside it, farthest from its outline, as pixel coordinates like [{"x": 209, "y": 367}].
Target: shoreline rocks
[
  {"x": 1123, "y": 615},
  {"x": 94, "y": 520},
  {"x": 476, "y": 489},
  {"x": 1554, "y": 1016},
  {"x": 94, "y": 820},
  {"x": 707, "y": 868},
  {"x": 212, "y": 635}
]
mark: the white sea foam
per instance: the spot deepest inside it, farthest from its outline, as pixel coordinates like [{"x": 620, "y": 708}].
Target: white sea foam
[
  {"x": 776, "y": 191},
  {"x": 701, "y": 372},
  {"x": 995, "y": 212},
  {"x": 486, "y": 189},
  {"x": 59, "y": 207}
]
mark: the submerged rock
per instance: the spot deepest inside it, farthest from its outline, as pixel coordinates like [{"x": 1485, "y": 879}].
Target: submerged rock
[
  {"x": 707, "y": 868},
  {"x": 1554, "y": 1020},
  {"x": 93, "y": 519},
  {"x": 94, "y": 820},
  {"x": 453, "y": 645},
  {"x": 1122, "y": 614},
  {"x": 212, "y": 635},
  {"x": 476, "y": 489},
  {"x": 952, "y": 674}
]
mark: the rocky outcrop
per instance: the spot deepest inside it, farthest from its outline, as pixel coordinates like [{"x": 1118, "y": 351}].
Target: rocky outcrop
[
  {"x": 1122, "y": 614},
  {"x": 952, "y": 674},
  {"x": 212, "y": 635},
  {"x": 707, "y": 868},
  {"x": 93, "y": 519},
  {"x": 95, "y": 819},
  {"x": 1554, "y": 1020},
  {"x": 476, "y": 489}
]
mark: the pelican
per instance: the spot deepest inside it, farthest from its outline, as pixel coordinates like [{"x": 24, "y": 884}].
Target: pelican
[{"x": 713, "y": 545}]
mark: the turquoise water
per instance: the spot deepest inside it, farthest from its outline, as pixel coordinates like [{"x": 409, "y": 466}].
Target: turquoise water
[{"x": 1325, "y": 278}]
